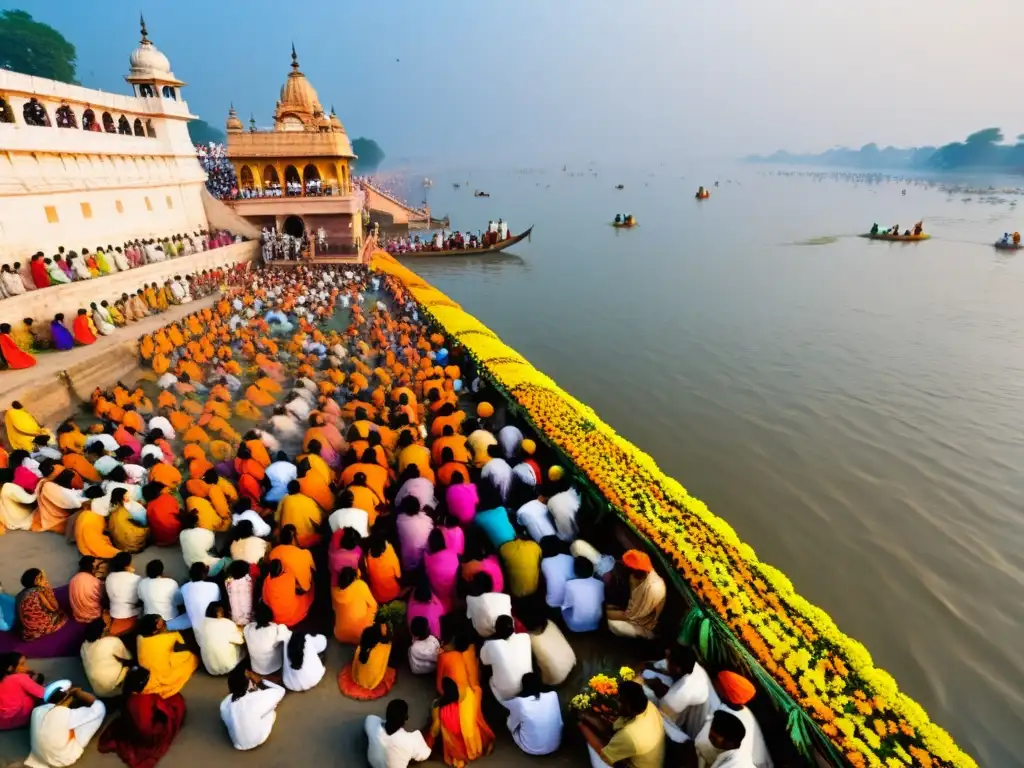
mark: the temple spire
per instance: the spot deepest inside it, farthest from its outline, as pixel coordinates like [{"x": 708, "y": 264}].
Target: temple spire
[
  {"x": 295, "y": 59},
  {"x": 142, "y": 23}
]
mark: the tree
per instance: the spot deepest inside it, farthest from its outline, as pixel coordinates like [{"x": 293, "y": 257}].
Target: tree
[
  {"x": 201, "y": 132},
  {"x": 34, "y": 48},
  {"x": 369, "y": 153}
]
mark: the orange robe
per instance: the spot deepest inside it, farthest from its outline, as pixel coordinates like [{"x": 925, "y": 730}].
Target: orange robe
[
  {"x": 383, "y": 574},
  {"x": 82, "y": 331},
  {"x": 288, "y": 607},
  {"x": 354, "y": 611},
  {"x": 296, "y": 561}
]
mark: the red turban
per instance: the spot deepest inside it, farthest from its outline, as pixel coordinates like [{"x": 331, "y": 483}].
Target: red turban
[
  {"x": 736, "y": 689},
  {"x": 637, "y": 561}
]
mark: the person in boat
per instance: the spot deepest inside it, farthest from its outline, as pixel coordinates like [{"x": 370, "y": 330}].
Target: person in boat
[
  {"x": 618, "y": 218},
  {"x": 1006, "y": 238},
  {"x": 1016, "y": 238},
  {"x": 918, "y": 228},
  {"x": 906, "y": 233},
  {"x": 700, "y": 192},
  {"x": 874, "y": 228},
  {"x": 895, "y": 230}
]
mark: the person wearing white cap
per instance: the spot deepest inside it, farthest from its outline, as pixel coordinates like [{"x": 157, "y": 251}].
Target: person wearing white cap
[{"x": 63, "y": 725}]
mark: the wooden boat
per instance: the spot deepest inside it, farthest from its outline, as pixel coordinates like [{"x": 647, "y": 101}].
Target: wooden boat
[
  {"x": 508, "y": 242},
  {"x": 898, "y": 238},
  {"x": 625, "y": 225},
  {"x": 1011, "y": 246},
  {"x": 478, "y": 193},
  {"x": 705, "y": 196},
  {"x": 620, "y": 186}
]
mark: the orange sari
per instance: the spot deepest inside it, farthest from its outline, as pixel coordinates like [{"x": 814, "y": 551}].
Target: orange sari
[{"x": 464, "y": 733}]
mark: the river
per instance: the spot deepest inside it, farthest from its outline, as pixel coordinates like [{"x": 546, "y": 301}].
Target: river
[{"x": 852, "y": 408}]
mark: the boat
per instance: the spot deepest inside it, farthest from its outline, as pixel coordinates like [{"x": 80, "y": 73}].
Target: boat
[
  {"x": 456, "y": 185},
  {"x": 478, "y": 193},
  {"x": 1011, "y": 246},
  {"x": 620, "y": 186},
  {"x": 897, "y": 238},
  {"x": 625, "y": 225},
  {"x": 508, "y": 242}
]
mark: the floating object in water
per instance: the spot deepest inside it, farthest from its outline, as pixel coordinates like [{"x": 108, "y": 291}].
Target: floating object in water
[
  {"x": 480, "y": 193},
  {"x": 620, "y": 186},
  {"x": 897, "y": 238}
]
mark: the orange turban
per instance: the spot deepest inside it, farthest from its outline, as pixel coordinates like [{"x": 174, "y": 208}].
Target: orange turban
[
  {"x": 636, "y": 560},
  {"x": 735, "y": 689},
  {"x": 485, "y": 410},
  {"x": 193, "y": 451}
]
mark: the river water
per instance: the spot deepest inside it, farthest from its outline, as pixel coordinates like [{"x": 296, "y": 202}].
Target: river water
[{"x": 853, "y": 408}]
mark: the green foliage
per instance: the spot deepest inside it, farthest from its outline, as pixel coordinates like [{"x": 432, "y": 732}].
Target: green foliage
[
  {"x": 201, "y": 132},
  {"x": 33, "y": 48},
  {"x": 983, "y": 149},
  {"x": 369, "y": 153}
]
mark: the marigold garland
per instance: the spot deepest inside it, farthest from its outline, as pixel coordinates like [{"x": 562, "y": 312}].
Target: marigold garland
[{"x": 857, "y": 706}]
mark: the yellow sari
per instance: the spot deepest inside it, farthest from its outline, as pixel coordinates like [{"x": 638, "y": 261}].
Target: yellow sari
[
  {"x": 464, "y": 733},
  {"x": 169, "y": 669}
]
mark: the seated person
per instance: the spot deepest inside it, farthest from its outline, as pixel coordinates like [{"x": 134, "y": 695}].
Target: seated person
[
  {"x": 646, "y": 599},
  {"x": 535, "y": 717},
  {"x": 484, "y": 605},
  {"x": 583, "y": 599},
  {"x": 62, "y": 727},
  {"x": 682, "y": 691},
  {"x": 390, "y": 745},
  {"x": 636, "y": 739}
]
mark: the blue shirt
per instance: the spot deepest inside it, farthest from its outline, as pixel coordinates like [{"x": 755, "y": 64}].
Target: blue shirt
[
  {"x": 557, "y": 571},
  {"x": 583, "y": 604},
  {"x": 495, "y": 523}
]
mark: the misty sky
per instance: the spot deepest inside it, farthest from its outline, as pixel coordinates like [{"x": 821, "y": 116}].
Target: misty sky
[{"x": 528, "y": 82}]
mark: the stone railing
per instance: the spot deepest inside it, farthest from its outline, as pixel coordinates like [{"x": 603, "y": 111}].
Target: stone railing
[{"x": 42, "y": 304}]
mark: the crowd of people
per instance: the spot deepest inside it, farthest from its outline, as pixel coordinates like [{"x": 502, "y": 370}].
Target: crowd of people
[
  {"x": 497, "y": 231},
  {"x": 330, "y": 486},
  {"x": 19, "y": 345},
  {"x": 71, "y": 266},
  {"x": 221, "y": 180}
]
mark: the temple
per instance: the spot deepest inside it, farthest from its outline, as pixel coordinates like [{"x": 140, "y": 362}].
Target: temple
[{"x": 296, "y": 177}]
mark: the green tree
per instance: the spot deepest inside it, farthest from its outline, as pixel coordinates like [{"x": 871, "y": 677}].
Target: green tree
[
  {"x": 34, "y": 48},
  {"x": 369, "y": 153},
  {"x": 201, "y": 132}
]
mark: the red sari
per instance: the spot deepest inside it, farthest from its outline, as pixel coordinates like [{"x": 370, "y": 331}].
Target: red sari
[
  {"x": 39, "y": 276},
  {"x": 81, "y": 331},
  {"x": 164, "y": 525},
  {"x": 145, "y": 729},
  {"x": 14, "y": 356}
]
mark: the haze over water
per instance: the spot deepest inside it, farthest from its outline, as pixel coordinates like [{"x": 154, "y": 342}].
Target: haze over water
[{"x": 853, "y": 408}]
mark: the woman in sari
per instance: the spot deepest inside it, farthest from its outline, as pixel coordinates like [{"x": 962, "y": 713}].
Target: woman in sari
[
  {"x": 22, "y": 429},
  {"x": 17, "y": 505},
  {"x": 146, "y": 726},
  {"x": 56, "y": 501},
  {"x": 39, "y": 273},
  {"x": 55, "y": 273},
  {"x": 344, "y": 551},
  {"x": 14, "y": 356},
  {"x": 354, "y": 606},
  {"x": 383, "y": 569},
  {"x": 38, "y": 612},
  {"x": 369, "y": 677},
  {"x": 281, "y": 591},
  {"x": 162, "y": 514},
  {"x": 82, "y": 329},
  {"x": 127, "y": 522},
  {"x": 102, "y": 320},
  {"x": 169, "y": 660},
  {"x": 294, "y": 559},
  {"x": 62, "y": 338},
  {"x": 646, "y": 599},
  {"x": 458, "y": 719}
]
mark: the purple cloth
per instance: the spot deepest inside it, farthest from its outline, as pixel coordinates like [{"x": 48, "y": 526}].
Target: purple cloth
[
  {"x": 226, "y": 469},
  {"x": 432, "y": 612},
  {"x": 66, "y": 641},
  {"x": 413, "y": 531},
  {"x": 443, "y": 574},
  {"x": 454, "y": 539},
  {"x": 462, "y": 501}
]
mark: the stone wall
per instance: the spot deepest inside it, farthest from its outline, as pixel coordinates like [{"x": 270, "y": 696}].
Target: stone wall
[{"x": 41, "y": 305}]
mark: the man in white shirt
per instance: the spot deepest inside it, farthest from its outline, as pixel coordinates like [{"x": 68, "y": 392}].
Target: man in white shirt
[
  {"x": 391, "y": 746},
  {"x": 535, "y": 718},
  {"x": 221, "y": 643},
  {"x": 557, "y": 567},
  {"x": 162, "y": 423},
  {"x": 484, "y": 606},
  {"x": 721, "y": 745},
  {"x": 533, "y": 516},
  {"x": 123, "y": 588},
  {"x": 197, "y": 595},
  {"x": 583, "y": 603},
  {"x": 497, "y": 472},
  {"x": 682, "y": 691},
  {"x": 424, "y": 649},
  {"x": 554, "y": 657},
  {"x": 564, "y": 507},
  {"x": 265, "y": 639},
  {"x": 62, "y": 727},
  {"x": 250, "y": 710},
  {"x": 510, "y": 656},
  {"x": 304, "y": 650},
  {"x": 158, "y": 593}
]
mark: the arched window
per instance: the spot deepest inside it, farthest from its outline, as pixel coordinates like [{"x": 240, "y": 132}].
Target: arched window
[
  {"x": 66, "y": 117},
  {"x": 146, "y": 91},
  {"x": 311, "y": 183},
  {"x": 35, "y": 113},
  {"x": 108, "y": 123},
  {"x": 139, "y": 130},
  {"x": 292, "y": 181},
  {"x": 6, "y": 113},
  {"x": 245, "y": 179},
  {"x": 270, "y": 176},
  {"x": 169, "y": 93},
  {"x": 150, "y": 130},
  {"x": 89, "y": 121},
  {"x": 123, "y": 126}
]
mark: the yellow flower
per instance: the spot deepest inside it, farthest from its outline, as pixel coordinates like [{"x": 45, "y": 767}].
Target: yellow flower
[{"x": 626, "y": 673}]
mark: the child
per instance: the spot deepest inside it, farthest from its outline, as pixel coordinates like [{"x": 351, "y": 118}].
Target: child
[{"x": 424, "y": 649}]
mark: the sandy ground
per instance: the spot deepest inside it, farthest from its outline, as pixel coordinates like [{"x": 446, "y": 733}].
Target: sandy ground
[{"x": 319, "y": 727}]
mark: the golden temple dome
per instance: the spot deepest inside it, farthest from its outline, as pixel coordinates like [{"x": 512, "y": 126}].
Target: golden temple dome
[
  {"x": 297, "y": 95},
  {"x": 233, "y": 124}
]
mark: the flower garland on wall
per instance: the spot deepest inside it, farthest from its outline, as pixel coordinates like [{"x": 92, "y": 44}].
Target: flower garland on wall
[{"x": 798, "y": 648}]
